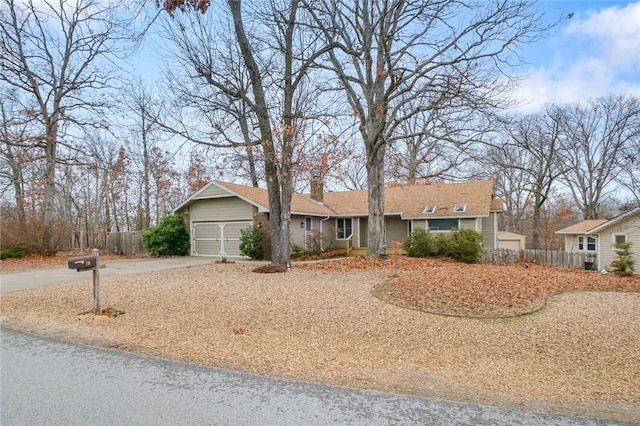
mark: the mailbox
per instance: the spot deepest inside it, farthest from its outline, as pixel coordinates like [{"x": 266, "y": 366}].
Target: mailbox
[{"x": 82, "y": 263}]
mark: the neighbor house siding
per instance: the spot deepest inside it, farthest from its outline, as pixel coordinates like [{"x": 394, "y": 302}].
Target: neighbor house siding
[
  {"x": 571, "y": 243},
  {"x": 489, "y": 231},
  {"x": 220, "y": 209},
  {"x": 630, "y": 227},
  {"x": 396, "y": 230}
]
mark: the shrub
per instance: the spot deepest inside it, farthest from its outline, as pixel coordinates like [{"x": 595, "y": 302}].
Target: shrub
[
  {"x": 297, "y": 251},
  {"x": 463, "y": 245},
  {"x": 168, "y": 238},
  {"x": 420, "y": 243},
  {"x": 623, "y": 265},
  {"x": 251, "y": 243},
  {"x": 12, "y": 252}
]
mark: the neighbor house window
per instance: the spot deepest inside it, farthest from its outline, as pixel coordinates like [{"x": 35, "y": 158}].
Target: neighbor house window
[
  {"x": 308, "y": 224},
  {"x": 619, "y": 239},
  {"x": 429, "y": 209},
  {"x": 344, "y": 228},
  {"x": 443, "y": 224},
  {"x": 588, "y": 242},
  {"x": 459, "y": 208}
]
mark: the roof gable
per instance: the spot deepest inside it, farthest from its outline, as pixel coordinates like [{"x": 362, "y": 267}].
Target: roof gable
[
  {"x": 593, "y": 226},
  {"x": 580, "y": 228}
]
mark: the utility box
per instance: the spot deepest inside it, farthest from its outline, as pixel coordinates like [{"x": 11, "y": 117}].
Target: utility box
[{"x": 85, "y": 263}]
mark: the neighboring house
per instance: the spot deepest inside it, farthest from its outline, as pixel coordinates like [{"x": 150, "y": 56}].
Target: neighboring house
[
  {"x": 599, "y": 237},
  {"x": 510, "y": 240},
  {"x": 217, "y": 212}
]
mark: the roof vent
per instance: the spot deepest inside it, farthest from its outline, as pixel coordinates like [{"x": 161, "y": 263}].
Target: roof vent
[
  {"x": 459, "y": 208},
  {"x": 429, "y": 209}
]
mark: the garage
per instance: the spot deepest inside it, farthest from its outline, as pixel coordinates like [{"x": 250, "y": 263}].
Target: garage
[{"x": 221, "y": 239}]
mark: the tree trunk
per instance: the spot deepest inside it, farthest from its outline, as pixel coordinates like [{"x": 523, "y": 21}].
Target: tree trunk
[
  {"x": 375, "y": 197},
  {"x": 48, "y": 199}
]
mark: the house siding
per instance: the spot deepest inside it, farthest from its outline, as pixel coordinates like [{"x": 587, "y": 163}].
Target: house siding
[
  {"x": 571, "y": 243},
  {"x": 297, "y": 230},
  {"x": 489, "y": 231},
  {"x": 221, "y": 209},
  {"x": 213, "y": 191},
  {"x": 630, "y": 227},
  {"x": 396, "y": 230},
  {"x": 468, "y": 223}
]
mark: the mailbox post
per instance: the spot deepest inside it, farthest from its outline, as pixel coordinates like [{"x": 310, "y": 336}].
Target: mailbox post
[{"x": 90, "y": 263}]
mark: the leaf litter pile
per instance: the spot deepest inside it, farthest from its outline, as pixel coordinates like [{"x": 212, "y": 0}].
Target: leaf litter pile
[{"x": 477, "y": 291}]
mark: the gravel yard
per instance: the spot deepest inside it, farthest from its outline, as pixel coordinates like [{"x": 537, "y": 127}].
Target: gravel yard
[{"x": 578, "y": 353}]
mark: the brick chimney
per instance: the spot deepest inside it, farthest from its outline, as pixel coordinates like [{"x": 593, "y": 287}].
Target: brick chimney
[{"x": 317, "y": 188}]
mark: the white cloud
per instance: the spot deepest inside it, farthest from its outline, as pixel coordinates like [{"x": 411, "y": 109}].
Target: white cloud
[{"x": 597, "y": 54}]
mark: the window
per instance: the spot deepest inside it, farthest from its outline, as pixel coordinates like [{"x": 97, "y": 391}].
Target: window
[
  {"x": 344, "y": 228},
  {"x": 459, "y": 208},
  {"x": 619, "y": 239},
  {"x": 308, "y": 223},
  {"x": 443, "y": 224},
  {"x": 590, "y": 243},
  {"x": 429, "y": 209}
]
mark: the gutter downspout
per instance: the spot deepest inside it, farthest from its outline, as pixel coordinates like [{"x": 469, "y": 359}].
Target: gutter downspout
[{"x": 321, "y": 232}]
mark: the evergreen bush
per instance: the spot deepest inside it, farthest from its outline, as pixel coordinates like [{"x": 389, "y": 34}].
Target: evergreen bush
[
  {"x": 251, "y": 243},
  {"x": 168, "y": 238},
  {"x": 463, "y": 245},
  {"x": 624, "y": 264},
  {"x": 420, "y": 243},
  {"x": 13, "y": 251}
]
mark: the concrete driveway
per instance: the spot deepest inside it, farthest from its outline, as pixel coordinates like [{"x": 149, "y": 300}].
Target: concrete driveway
[{"x": 46, "y": 277}]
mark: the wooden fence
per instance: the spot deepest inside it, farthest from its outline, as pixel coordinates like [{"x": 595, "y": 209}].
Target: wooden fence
[
  {"x": 545, "y": 257},
  {"x": 125, "y": 243}
]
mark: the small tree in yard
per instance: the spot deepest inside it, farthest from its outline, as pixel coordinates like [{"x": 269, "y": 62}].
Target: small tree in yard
[
  {"x": 251, "y": 243},
  {"x": 168, "y": 238},
  {"x": 623, "y": 265}
]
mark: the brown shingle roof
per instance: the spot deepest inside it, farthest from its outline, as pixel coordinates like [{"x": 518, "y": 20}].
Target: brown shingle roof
[
  {"x": 299, "y": 203},
  {"x": 408, "y": 200},
  {"x": 582, "y": 227}
]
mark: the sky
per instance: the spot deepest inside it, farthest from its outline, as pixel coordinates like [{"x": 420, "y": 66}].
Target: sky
[{"x": 594, "y": 53}]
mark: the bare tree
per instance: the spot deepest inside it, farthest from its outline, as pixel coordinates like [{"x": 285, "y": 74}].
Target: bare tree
[
  {"x": 390, "y": 53},
  {"x": 536, "y": 140},
  {"x": 210, "y": 89},
  {"x": 629, "y": 175},
  {"x": 508, "y": 166},
  {"x": 598, "y": 142},
  {"x": 432, "y": 144},
  {"x": 143, "y": 113},
  {"x": 54, "y": 53},
  {"x": 277, "y": 59},
  {"x": 13, "y": 153}
]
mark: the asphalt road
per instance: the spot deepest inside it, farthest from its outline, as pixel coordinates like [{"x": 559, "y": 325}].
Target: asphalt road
[{"x": 47, "y": 381}]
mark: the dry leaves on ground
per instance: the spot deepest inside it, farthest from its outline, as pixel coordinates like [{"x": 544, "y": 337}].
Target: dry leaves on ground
[{"x": 480, "y": 290}]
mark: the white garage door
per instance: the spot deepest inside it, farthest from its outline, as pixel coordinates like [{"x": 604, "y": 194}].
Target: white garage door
[{"x": 217, "y": 238}]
